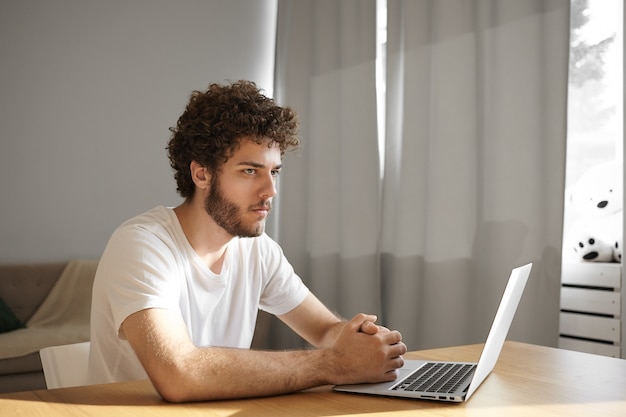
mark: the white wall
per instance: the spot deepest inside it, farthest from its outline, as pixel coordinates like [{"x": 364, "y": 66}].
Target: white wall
[{"x": 88, "y": 92}]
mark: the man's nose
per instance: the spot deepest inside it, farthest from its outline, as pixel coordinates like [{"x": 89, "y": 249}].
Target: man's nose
[{"x": 268, "y": 188}]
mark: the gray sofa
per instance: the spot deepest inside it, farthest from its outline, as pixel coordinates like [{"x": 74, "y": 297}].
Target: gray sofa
[{"x": 53, "y": 301}]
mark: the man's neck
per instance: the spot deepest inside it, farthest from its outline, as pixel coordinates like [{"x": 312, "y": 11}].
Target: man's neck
[{"x": 206, "y": 238}]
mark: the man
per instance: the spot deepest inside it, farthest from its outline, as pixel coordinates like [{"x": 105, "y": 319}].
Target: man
[{"x": 177, "y": 291}]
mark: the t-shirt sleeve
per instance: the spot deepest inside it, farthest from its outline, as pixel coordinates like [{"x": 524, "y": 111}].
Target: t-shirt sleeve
[
  {"x": 283, "y": 290},
  {"x": 136, "y": 265}
]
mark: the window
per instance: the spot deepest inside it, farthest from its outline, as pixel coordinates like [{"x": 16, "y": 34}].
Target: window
[
  {"x": 381, "y": 49},
  {"x": 595, "y": 94}
]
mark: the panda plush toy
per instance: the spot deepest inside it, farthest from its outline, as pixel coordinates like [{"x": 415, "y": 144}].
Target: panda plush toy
[{"x": 597, "y": 200}]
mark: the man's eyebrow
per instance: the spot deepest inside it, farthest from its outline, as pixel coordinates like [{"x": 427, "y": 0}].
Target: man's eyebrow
[{"x": 257, "y": 164}]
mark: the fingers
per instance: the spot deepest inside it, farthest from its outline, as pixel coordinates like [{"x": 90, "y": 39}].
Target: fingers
[
  {"x": 365, "y": 323},
  {"x": 361, "y": 319},
  {"x": 368, "y": 324},
  {"x": 394, "y": 365},
  {"x": 383, "y": 329},
  {"x": 397, "y": 350},
  {"x": 393, "y": 337},
  {"x": 372, "y": 328},
  {"x": 395, "y": 361},
  {"x": 369, "y": 327}
]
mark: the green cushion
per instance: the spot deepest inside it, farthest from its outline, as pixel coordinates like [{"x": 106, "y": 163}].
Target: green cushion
[{"x": 8, "y": 321}]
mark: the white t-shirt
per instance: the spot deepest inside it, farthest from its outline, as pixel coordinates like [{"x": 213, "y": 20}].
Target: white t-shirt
[{"x": 149, "y": 263}]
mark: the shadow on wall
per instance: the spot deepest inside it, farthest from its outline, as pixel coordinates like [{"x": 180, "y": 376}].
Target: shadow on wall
[
  {"x": 505, "y": 245},
  {"x": 453, "y": 302}
]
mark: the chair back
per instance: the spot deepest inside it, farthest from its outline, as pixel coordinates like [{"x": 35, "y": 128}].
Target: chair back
[{"x": 66, "y": 365}]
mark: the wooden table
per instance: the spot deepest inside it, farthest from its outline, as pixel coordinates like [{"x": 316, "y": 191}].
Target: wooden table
[{"x": 527, "y": 381}]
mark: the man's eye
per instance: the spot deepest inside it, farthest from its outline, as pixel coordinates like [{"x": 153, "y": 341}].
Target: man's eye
[
  {"x": 275, "y": 173},
  {"x": 250, "y": 171}
]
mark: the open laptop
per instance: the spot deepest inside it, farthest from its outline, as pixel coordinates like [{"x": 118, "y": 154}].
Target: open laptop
[{"x": 453, "y": 381}]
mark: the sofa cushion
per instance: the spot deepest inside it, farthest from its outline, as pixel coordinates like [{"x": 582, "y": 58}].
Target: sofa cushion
[
  {"x": 8, "y": 321},
  {"x": 26, "y": 363},
  {"x": 24, "y": 381},
  {"x": 21, "y": 342},
  {"x": 25, "y": 286}
]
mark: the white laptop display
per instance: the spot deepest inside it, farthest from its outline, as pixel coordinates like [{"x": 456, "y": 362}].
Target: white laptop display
[{"x": 453, "y": 381}]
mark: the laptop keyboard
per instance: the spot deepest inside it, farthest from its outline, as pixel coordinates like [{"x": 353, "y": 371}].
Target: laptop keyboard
[{"x": 437, "y": 377}]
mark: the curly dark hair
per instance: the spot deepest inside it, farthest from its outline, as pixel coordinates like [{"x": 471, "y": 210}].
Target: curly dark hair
[{"x": 214, "y": 123}]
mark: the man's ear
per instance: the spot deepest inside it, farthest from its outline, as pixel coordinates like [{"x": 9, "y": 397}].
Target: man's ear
[{"x": 200, "y": 175}]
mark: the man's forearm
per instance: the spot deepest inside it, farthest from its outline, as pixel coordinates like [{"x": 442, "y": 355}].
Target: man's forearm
[
  {"x": 220, "y": 373},
  {"x": 350, "y": 352}
]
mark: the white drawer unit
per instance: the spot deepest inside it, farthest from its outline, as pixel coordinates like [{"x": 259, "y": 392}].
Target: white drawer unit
[
  {"x": 589, "y": 327},
  {"x": 592, "y": 274},
  {"x": 591, "y": 308},
  {"x": 591, "y": 301},
  {"x": 589, "y": 347}
]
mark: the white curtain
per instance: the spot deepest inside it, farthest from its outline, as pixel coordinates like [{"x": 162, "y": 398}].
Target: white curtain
[{"x": 474, "y": 161}]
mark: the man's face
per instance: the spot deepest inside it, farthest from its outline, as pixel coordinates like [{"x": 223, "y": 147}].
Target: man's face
[{"x": 240, "y": 195}]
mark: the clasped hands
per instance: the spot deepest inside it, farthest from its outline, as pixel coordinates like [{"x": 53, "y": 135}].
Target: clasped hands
[{"x": 373, "y": 353}]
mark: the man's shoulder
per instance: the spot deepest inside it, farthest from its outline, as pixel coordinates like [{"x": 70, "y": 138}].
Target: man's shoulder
[
  {"x": 157, "y": 216},
  {"x": 157, "y": 221}
]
